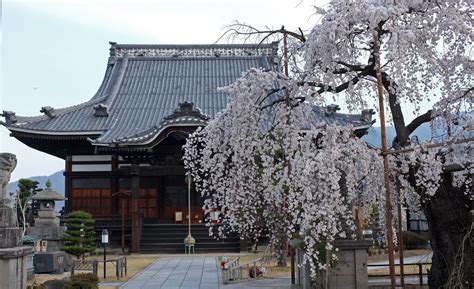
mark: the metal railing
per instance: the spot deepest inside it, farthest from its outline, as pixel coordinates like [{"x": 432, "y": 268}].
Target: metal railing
[
  {"x": 420, "y": 273},
  {"x": 84, "y": 265},
  {"x": 92, "y": 265},
  {"x": 234, "y": 271}
]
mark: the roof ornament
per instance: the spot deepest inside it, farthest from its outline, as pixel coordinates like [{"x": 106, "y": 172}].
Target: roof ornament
[
  {"x": 112, "y": 49},
  {"x": 101, "y": 110},
  {"x": 49, "y": 111},
  {"x": 366, "y": 115},
  {"x": 10, "y": 117},
  {"x": 112, "y": 52},
  {"x": 178, "y": 54},
  {"x": 331, "y": 109},
  {"x": 187, "y": 109}
]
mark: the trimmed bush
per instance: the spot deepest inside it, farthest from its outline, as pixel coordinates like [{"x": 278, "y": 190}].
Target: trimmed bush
[
  {"x": 82, "y": 281},
  {"x": 80, "y": 234},
  {"x": 53, "y": 284},
  {"x": 413, "y": 241}
]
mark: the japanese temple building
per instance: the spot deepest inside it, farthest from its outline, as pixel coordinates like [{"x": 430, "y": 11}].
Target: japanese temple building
[{"x": 128, "y": 137}]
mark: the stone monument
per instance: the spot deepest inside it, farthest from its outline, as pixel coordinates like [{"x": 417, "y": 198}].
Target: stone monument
[{"x": 13, "y": 256}]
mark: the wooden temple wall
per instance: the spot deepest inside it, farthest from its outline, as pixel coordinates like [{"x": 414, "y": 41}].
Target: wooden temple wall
[{"x": 94, "y": 184}]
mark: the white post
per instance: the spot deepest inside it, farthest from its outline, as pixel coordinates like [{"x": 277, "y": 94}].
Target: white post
[{"x": 189, "y": 204}]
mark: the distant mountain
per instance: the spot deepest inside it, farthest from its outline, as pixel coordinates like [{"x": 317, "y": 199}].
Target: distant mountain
[
  {"x": 57, "y": 184},
  {"x": 423, "y": 132}
]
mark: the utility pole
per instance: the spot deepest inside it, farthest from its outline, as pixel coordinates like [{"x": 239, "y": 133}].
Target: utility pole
[{"x": 287, "y": 94}]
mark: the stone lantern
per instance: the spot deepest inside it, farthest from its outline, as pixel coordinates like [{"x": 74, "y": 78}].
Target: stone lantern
[
  {"x": 47, "y": 225},
  {"x": 47, "y": 200}
]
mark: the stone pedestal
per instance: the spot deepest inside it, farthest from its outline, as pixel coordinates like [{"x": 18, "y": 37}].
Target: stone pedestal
[
  {"x": 349, "y": 272},
  {"x": 10, "y": 233},
  {"x": 13, "y": 256},
  {"x": 13, "y": 267}
]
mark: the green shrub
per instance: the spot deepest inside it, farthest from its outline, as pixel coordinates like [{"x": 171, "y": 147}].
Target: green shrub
[
  {"x": 80, "y": 234},
  {"x": 413, "y": 240},
  {"x": 53, "y": 284},
  {"x": 89, "y": 277},
  {"x": 82, "y": 281},
  {"x": 80, "y": 285}
]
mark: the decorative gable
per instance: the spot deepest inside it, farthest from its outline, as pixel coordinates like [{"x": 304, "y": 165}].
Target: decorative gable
[{"x": 187, "y": 109}]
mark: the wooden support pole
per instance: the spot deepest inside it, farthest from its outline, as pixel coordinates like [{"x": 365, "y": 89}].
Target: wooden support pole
[
  {"x": 123, "y": 197},
  {"x": 292, "y": 261},
  {"x": 400, "y": 235},
  {"x": 388, "y": 204}
]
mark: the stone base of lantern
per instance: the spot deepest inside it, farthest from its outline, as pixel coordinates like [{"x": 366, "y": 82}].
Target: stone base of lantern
[
  {"x": 51, "y": 233},
  {"x": 350, "y": 271}
]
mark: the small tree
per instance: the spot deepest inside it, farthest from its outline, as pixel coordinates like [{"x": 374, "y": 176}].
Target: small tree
[
  {"x": 80, "y": 234},
  {"x": 26, "y": 189}
]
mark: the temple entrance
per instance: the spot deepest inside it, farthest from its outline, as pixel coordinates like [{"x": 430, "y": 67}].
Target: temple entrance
[{"x": 175, "y": 207}]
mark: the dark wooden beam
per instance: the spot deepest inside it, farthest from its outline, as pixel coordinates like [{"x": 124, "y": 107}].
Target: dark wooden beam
[
  {"x": 67, "y": 184},
  {"x": 135, "y": 186},
  {"x": 114, "y": 181},
  {"x": 153, "y": 171}
]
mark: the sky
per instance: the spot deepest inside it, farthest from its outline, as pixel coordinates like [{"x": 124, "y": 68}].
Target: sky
[{"x": 54, "y": 53}]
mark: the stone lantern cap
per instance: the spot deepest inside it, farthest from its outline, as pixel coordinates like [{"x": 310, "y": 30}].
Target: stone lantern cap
[{"x": 48, "y": 194}]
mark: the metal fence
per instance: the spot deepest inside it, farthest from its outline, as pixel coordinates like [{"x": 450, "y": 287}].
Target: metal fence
[{"x": 419, "y": 274}]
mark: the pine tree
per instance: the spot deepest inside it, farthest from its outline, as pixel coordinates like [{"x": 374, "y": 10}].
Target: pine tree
[{"x": 80, "y": 234}]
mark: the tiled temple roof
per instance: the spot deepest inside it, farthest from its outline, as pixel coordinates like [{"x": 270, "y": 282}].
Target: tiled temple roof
[{"x": 145, "y": 84}]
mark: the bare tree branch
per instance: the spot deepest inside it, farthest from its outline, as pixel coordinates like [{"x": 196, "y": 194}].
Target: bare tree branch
[
  {"x": 421, "y": 119},
  {"x": 247, "y": 31}
]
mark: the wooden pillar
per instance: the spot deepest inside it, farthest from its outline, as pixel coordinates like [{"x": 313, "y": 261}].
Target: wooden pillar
[
  {"x": 68, "y": 185},
  {"x": 243, "y": 245},
  {"x": 135, "y": 210},
  {"x": 114, "y": 186},
  {"x": 161, "y": 197}
]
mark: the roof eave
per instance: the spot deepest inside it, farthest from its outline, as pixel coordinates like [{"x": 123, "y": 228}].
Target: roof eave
[
  {"x": 148, "y": 140},
  {"x": 53, "y": 133}
]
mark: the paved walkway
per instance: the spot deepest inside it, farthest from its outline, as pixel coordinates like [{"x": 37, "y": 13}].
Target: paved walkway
[{"x": 178, "y": 272}]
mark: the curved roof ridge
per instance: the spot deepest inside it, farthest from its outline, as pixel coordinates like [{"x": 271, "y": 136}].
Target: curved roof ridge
[
  {"x": 192, "y": 50},
  {"x": 231, "y": 45},
  {"x": 106, "y": 79}
]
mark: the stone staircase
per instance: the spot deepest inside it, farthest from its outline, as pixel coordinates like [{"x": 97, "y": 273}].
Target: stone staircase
[{"x": 169, "y": 238}]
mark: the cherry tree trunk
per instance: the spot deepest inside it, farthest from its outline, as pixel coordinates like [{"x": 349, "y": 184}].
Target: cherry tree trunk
[{"x": 448, "y": 216}]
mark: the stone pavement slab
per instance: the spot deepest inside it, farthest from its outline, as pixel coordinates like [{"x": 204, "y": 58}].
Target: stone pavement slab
[
  {"x": 265, "y": 283},
  {"x": 180, "y": 272}
]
